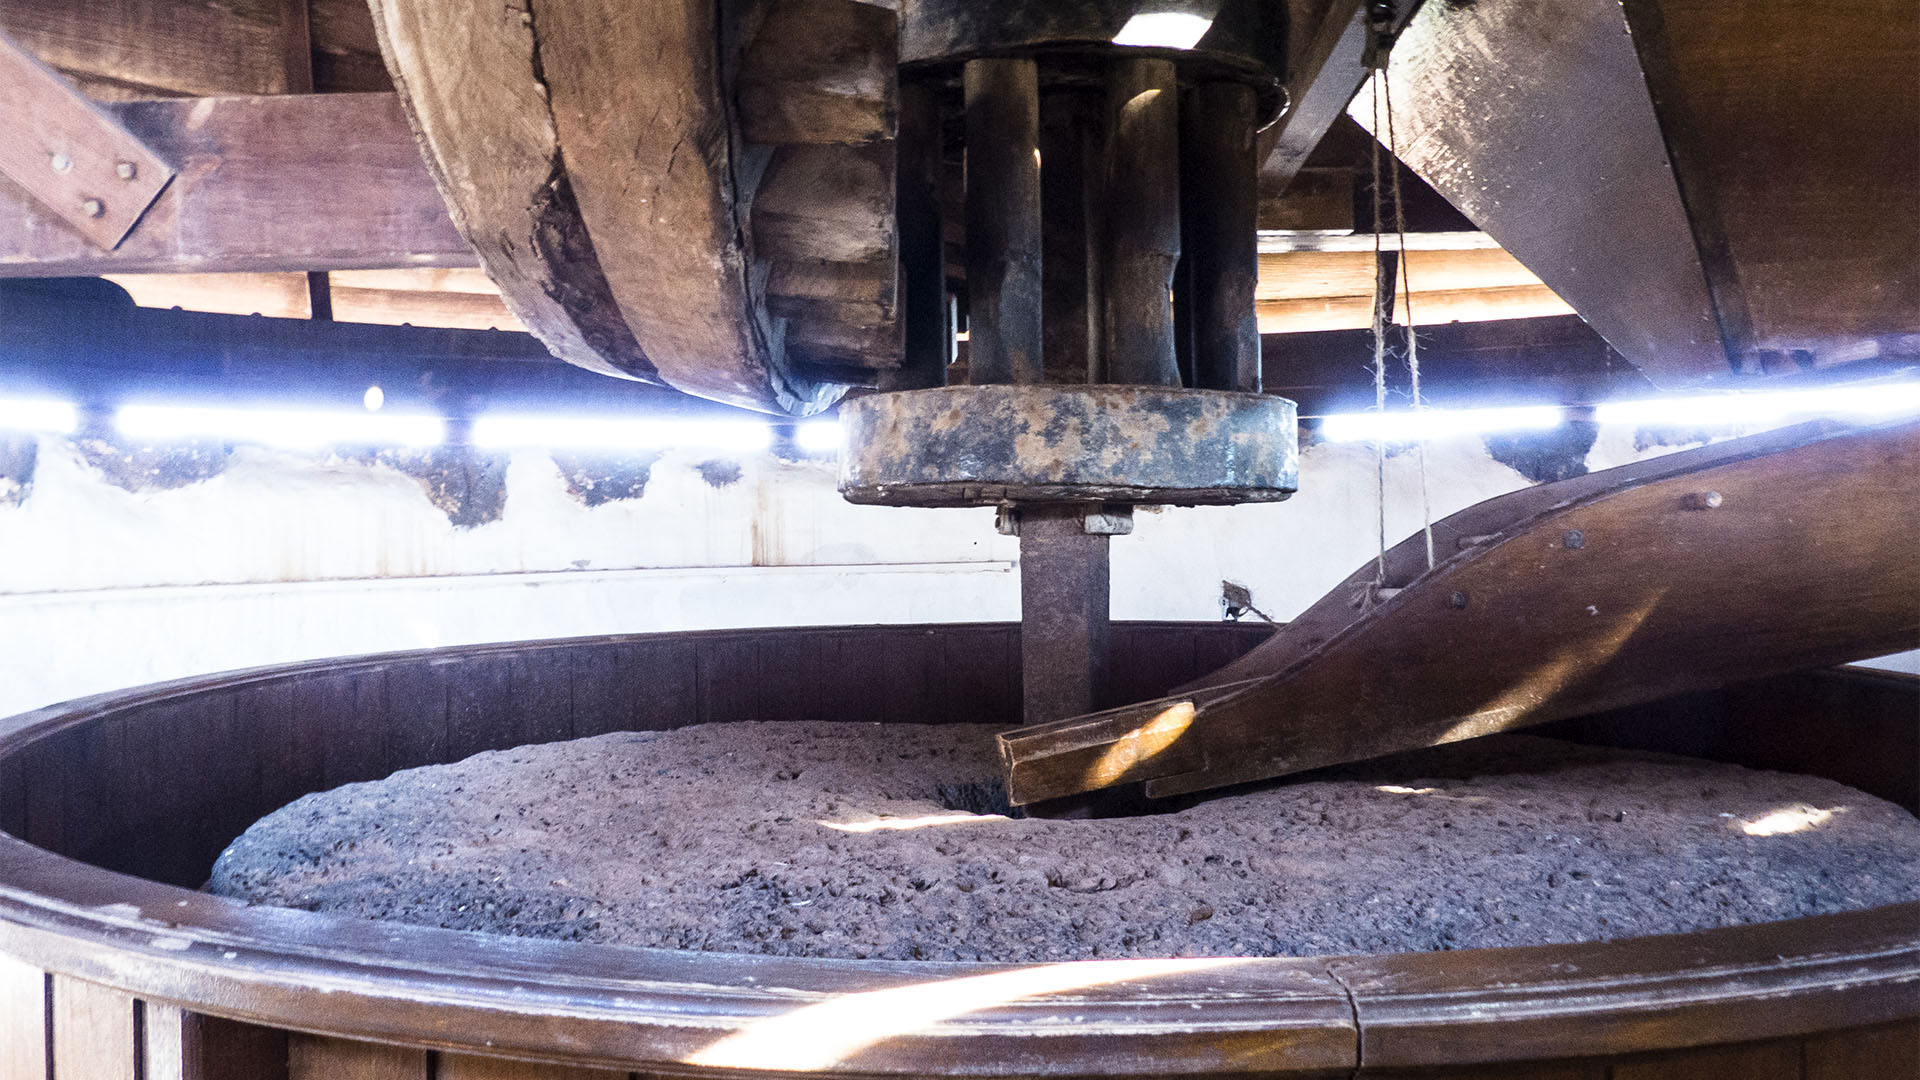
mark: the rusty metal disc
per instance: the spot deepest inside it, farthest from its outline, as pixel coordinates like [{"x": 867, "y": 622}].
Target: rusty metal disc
[{"x": 985, "y": 445}]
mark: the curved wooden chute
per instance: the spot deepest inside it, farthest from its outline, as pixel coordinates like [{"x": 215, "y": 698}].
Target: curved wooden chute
[
  {"x": 1786, "y": 550},
  {"x": 688, "y": 191}
]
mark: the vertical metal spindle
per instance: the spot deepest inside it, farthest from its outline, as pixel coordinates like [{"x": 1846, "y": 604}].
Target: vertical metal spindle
[
  {"x": 925, "y": 314},
  {"x": 1143, "y": 221},
  {"x": 1064, "y": 591},
  {"x": 1003, "y": 221},
  {"x": 1222, "y": 242}
]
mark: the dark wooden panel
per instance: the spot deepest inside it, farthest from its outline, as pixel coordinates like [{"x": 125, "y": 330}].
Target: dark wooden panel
[
  {"x": 417, "y": 706},
  {"x": 1890, "y": 1050},
  {"x": 94, "y": 1035},
  {"x": 355, "y": 744},
  {"x": 540, "y": 696},
  {"x": 724, "y": 666},
  {"x": 603, "y": 696},
  {"x": 463, "y": 1067},
  {"x": 479, "y": 710},
  {"x": 310, "y": 1057},
  {"x": 1761, "y": 1061},
  {"x": 666, "y": 684},
  {"x": 23, "y": 1021},
  {"x": 213, "y": 1048},
  {"x": 1867, "y": 734}
]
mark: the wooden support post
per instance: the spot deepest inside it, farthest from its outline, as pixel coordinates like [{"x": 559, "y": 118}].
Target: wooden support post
[
  {"x": 1070, "y": 183},
  {"x": 1221, "y": 240},
  {"x": 928, "y": 337},
  {"x": 1143, "y": 221},
  {"x": 1064, "y": 591},
  {"x": 1003, "y": 221}
]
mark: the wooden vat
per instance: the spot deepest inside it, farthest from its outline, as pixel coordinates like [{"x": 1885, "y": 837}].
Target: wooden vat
[{"x": 113, "y": 968}]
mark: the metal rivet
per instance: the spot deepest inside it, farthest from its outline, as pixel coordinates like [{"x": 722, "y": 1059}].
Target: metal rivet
[
  {"x": 126, "y": 170},
  {"x": 93, "y": 208},
  {"x": 1574, "y": 540},
  {"x": 60, "y": 162},
  {"x": 1457, "y": 601},
  {"x": 1704, "y": 500}
]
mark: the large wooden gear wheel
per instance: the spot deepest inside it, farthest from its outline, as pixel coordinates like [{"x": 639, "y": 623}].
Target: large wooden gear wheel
[{"x": 681, "y": 191}]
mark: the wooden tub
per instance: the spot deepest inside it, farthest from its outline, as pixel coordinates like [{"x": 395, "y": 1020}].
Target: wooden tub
[{"x": 113, "y": 968}]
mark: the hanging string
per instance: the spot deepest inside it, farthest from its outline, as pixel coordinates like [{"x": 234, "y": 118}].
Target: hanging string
[
  {"x": 1380, "y": 313},
  {"x": 1406, "y": 291}
]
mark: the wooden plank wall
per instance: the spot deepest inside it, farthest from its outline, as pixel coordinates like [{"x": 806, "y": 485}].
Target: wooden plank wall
[{"x": 100, "y": 1034}]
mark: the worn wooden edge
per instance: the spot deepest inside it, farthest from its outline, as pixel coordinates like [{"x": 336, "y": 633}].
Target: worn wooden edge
[
  {"x": 606, "y": 1005},
  {"x": 1068, "y": 756}
]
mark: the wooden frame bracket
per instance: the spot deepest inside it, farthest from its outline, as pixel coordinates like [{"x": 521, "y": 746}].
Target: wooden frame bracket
[{"x": 71, "y": 155}]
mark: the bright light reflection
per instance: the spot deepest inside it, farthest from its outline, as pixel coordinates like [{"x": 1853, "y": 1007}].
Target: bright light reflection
[
  {"x": 1419, "y": 425},
  {"x": 1396, "y": 789},
  {"x": 824, "y": 1035},
  {"x": 501, "y": 431},
  {"x": 1142, "y": 744},
  {"x": 1772, "y": 407},
  {"x": 900, "y": 824},
  {"x": 1791, "y": 819},
  {"x": 1164, "y": 30},
  {"x": 281, "y": 427},
  {"x": 38, "y": 414},
  {"x": 818, "y": 436}
]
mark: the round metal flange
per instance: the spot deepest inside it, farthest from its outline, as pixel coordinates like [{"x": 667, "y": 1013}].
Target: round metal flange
[
  {"x": 1239, "y": 40},
  {"x": 987, "y": 445}
]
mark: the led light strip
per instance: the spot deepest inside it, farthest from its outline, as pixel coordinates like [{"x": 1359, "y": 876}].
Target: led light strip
[
  {"x": 293, "y": 428},
  {"x": 38, "y": 414}
]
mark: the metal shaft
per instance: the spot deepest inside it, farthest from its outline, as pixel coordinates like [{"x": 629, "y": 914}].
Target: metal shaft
[
  {"x": 1064, "y": 590},
  {"x": 1003, "y": 221},
  {"x": 1222, "y": 249},
  {"x": 1143, "y": 221}
]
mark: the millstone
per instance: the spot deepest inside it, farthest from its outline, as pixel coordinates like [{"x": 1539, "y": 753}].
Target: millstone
[{"x": 866, "y": 840}]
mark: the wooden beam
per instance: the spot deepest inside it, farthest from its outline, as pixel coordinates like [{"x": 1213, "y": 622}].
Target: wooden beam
[
  {"x": 1602, "y": 591},
  {"x": 1328, "y": 60},
  {"x": 80, "y": 164},
  {"x": 326, "y": 182}
]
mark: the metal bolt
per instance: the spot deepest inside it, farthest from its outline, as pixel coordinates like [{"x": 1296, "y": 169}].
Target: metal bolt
[
  {"x": 1704, "y": 500},
  {"x": 1457, "y": 601},
  {"x": 93, "y": 208},
  {"x": 1574, "y": 540},
  {"x": 60, "y": 162},
  {"x": 126, "y": 170}
]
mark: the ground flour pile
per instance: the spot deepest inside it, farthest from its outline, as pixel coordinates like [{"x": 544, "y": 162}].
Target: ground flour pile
[{"x": 856, "y": 840}]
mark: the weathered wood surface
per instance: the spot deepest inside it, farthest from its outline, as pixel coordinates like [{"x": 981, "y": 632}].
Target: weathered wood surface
[
  {"x": 276, "y": 183},
  {"x": 158, "y": 47},
  {"x": 101, "y": 779},
  {"x": 641, "y": 238},
  {"x": 1604, "y": 590},
  {"x": 1569, "y": 114},
  {"x": 1797, "y": 165},
  {"x": 72, "y": 156}
]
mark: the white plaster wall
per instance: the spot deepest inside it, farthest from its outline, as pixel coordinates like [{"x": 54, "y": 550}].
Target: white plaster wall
[{"x": 287, "y": 556}]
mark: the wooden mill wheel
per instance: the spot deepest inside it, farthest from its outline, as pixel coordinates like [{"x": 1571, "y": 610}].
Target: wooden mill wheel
[{"x": 697, "y": 192}]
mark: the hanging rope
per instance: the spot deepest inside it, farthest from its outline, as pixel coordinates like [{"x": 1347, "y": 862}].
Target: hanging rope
[
  {"x": 1380, "y": 313},
  {"x": 1406, "y": 290}
]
